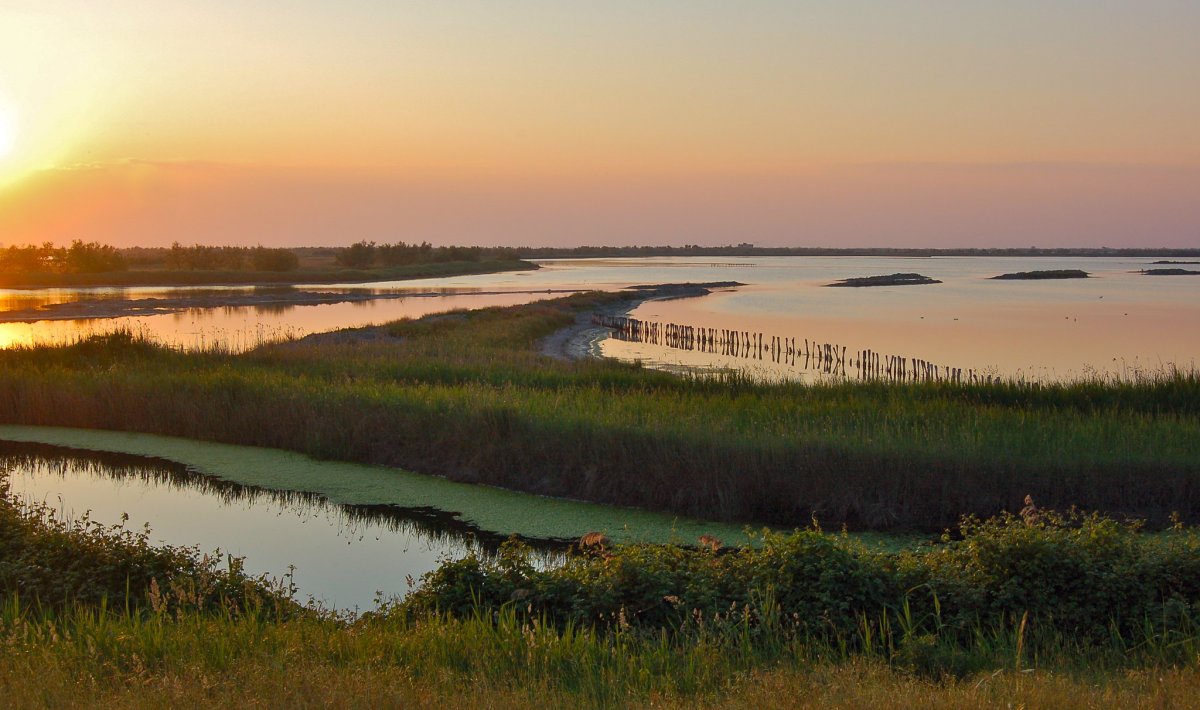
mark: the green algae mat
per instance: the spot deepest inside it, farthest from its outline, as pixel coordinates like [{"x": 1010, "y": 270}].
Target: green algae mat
[{"x": 491, "y": 509}]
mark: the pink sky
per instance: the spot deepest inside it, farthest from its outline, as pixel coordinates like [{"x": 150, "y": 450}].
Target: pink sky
[
  {"x": 870, "y": 205},
  {"x": 856, "y": 123}
]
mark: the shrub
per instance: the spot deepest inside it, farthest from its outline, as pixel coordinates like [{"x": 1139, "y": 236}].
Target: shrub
[
  {"x": 55, "y": 564},
  {"x": 265, "y": 259},
  {"x": 1080, "y": 576}
]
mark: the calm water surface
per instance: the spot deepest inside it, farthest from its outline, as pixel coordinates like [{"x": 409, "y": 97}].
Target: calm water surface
[
  {"x": 1116, "y": 322},
  {"x": 236, "y": 328},
  {"x": 342, "y": 555}
]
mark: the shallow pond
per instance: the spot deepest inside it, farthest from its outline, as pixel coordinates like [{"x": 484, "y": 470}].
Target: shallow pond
[
  {"x": 357, "y": 531},
  {"x": 341, "y": 555}
]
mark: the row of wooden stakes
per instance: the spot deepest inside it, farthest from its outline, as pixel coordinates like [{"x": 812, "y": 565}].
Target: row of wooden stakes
[{"x": 826, "y": 358}]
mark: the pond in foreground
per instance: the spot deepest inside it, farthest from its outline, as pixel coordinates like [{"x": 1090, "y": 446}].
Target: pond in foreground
[
  {"x": 343, "y": 555},
  {"x": 361, "y": 529}
]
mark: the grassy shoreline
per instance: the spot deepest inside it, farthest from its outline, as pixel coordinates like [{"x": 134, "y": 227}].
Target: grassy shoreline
[
  {"x": 494, "y": 510},
  {"x": 92, "y": 615},
  {"x": 166, "y": 277},
  {"x": 467, "y": 396}
]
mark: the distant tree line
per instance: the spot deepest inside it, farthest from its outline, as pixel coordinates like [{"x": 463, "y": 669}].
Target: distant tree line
[
  {"x": 79, "y": 258},
  {"x": 199, "y": 257},
  {"x": 364, "y": 254},
  {"x": 92, "y": 258}
]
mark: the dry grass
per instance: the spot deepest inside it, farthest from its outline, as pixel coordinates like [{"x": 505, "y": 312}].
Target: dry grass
[{"x": 40, "y": 681}]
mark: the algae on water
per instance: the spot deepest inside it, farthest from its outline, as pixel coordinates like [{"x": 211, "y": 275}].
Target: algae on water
[{"x": 492, "y": 509}]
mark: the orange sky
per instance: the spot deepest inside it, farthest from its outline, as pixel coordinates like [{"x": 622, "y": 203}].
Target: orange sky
[{"x": 783, "y": 123}]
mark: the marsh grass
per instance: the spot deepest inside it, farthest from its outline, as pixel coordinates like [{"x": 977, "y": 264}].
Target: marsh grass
[
  {"x": 112, "y": 643},
  {"x": 467, "y": 396},
  {"x": 89, "y": 656}
]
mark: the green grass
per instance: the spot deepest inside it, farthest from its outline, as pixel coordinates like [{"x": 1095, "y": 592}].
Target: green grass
[
  {"x": 143, "y": 637},
  {"x": 467, "y": 396},
  {"x": 86, "y": 658},
  {"x": 90, "y": 658}
]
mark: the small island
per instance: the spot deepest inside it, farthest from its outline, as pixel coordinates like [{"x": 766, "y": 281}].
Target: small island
[
  {"x": 1170, "y": 272},
  {"x": 1169, "y": 261},
  {"x": 888, "y": 280},
  {"x": 1048, "y": 274}
]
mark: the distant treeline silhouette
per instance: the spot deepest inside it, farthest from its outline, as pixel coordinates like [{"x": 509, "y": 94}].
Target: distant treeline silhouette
[
  {"x": 364, "y": 254},
  {"x": 79, "y": 258},
  {"x": 199, "y": 257},
  {"x": 96, "y": 258}
]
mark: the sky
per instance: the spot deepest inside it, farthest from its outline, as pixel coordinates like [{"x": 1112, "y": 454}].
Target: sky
[{"x": 920, "y": 123}]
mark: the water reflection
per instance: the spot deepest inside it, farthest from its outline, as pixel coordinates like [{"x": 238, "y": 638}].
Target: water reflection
[
  {"x": 1114, "y": 322},
  {"x": 343, "y": 554},
  {"x": 242, "y": 321}
]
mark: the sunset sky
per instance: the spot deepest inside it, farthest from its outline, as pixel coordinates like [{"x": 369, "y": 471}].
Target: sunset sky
[{"x": 850, "y": 123}]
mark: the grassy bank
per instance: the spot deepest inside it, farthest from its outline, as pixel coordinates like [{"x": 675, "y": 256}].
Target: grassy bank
[
  {"x": 494, "y": 511},
  {"x": 108, "y": 659},
  {"x": 467, "y": 396},
  {"x": 111, "y": 660},
  {"x": 844, "y": 631},
  {"x": 171, "y": 277}
]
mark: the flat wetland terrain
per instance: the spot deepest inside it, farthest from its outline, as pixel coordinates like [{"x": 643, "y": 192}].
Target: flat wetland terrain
[
  {"x": 1043, "y": 608},
  {"x": 469, "y": 397}
]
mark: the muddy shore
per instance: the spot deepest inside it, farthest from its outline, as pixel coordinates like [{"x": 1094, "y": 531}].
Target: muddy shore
[{"x": 582, "y": 340}]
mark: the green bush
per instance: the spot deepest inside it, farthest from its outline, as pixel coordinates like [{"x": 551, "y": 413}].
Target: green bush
[
  {"x": 1085, "y": 575},
  {"x": 265, "y": 259},
  {"x": 54, "y": 564},
  {"x": 1080, "y": 576}
]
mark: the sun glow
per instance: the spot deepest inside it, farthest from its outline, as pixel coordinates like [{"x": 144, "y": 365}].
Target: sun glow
[{"x": 8, "y": 130}]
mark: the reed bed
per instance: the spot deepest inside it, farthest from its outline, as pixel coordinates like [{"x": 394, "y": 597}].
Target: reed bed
[{"x": 467, "y": 396}]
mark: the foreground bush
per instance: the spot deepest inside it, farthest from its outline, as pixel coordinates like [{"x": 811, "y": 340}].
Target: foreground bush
[
  {"x": 53, "y": 564},
  {"x": 1083, "y": 577},
  {"x": 804, "y": 616}
]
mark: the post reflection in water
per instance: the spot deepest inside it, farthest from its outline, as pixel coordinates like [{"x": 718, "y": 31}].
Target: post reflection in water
[{"x": 344, "y": 555}]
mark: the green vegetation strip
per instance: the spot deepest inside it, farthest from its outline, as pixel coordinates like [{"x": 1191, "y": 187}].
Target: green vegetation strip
[
  {"x": 469, "y": 397},
  {"x": 492, "y": 509},
  {"x": 1044, "y": 610}
]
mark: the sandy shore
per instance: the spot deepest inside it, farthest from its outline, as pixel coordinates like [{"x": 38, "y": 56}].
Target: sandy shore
[{"x": 582, "y": 340}]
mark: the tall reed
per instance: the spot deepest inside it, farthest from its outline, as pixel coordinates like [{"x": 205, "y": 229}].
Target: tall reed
[{"x": 467, "y": 396}]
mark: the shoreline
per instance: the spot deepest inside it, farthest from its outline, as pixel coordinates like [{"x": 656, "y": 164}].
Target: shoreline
[
  {"x": 582, "y": 340},
  {"x": 124, "y": 308},
  {"x": 496, "y": 510}
]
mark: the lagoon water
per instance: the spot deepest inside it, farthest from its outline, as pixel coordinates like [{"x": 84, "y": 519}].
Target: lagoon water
[
  {"x": 342, "y": 555},
  {"x": 1118, "y": 322},
  {"x": 235, "y": 328}
]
